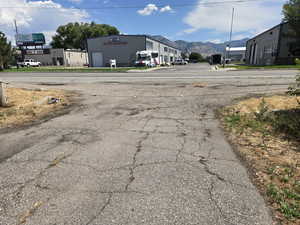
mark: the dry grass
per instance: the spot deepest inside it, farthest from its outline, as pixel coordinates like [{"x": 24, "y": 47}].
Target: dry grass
[
  {"x": 29, "y": 105},
  {"x": 29, "y": 213},
  {"x": 278, "y": 102},
  {"x": 273, "y": 157},
  {"x": 57, "y": 160}
]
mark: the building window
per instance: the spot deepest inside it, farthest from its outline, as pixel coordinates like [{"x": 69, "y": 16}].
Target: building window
[
  {"x": 149, "y": 45},
  {"x": 166, "y": 59},
  {"x": 165, "y": 49}
]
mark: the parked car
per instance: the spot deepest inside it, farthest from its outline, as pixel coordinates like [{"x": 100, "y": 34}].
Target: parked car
[
  {"x": 29, "y": 63},
  {"x": 180, "y": 62}
]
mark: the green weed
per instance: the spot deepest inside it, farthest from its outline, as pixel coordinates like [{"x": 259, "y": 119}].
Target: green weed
[
  {"x": 263, "y": 111},
  {"x": 287, "y": 199},
  {"x": 233, "y": 120}
]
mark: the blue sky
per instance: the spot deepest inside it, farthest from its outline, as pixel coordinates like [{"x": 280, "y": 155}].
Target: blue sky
[{"x": 203, "y": 20}]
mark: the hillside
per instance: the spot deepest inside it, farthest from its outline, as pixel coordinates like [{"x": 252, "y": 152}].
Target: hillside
[
  {"x": 204, "y": 48},
  {"x": 208, "y": 48}
]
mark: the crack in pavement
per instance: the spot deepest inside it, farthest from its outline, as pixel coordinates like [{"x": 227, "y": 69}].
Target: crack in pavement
[
  {"x": 215, "y": 202},
  {"x": 52, "y": 164},
  {"x": 108, "y": 201},
  {"x": 138, "y": 150},
  {"x": 183, "y": 135},
  {"x": 47, "y": 188},
  {"x": 207, "y": 169}
]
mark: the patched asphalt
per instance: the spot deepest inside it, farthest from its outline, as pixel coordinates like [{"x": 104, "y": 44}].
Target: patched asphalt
[{"x": 131, "y": 153}]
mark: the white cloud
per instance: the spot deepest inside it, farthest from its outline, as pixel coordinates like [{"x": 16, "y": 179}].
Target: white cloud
[
  {"x": 148, "y": 10},
  {"x": 240, "y": 36},
  {"x": 37, "y": 16},
  {"x": 152, "y": 8},
  {"x": 167, "y": 8},
  {"x": 251, "y": 17},
  {"x": 48, "y": 35}
]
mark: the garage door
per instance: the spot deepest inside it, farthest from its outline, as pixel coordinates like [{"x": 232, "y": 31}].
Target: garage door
[{"x": 97, "y": 59}]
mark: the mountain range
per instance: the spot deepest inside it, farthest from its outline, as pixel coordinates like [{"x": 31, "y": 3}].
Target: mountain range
[{"x": 204, "y": 48}]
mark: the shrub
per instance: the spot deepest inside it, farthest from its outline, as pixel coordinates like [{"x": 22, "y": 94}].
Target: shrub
[
  {"x": 294, "y": 89},
  {"x": 286, "y": 122},
  {"x": 263, "y": 110},
  {"x": 297, "y": 61}
]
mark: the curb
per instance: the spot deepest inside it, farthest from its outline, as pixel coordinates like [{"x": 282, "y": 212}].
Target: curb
[{"x": 147, "y": 70}]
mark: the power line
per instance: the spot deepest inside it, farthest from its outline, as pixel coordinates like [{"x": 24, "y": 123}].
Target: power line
[{"x": 205, "y": 4}]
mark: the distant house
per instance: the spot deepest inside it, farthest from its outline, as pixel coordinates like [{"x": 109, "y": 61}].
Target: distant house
[{"x": 272, "y": 47}]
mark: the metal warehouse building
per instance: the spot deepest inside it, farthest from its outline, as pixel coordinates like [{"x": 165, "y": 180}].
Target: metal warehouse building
[
  {"x": 123, "y": 48},
  {"x": 273, "y": 46}
]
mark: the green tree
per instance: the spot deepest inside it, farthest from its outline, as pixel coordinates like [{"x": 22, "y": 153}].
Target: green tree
[
  {"x": 184, "y": 55},
  {"x": 196, "y": 57},
  {"x": 5, "y": 52},
  {"x": 74, "y": 35},
  {"x": 291, "y": 12}
]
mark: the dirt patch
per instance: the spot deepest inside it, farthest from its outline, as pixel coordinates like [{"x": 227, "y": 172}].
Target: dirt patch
[
  {"x": 200, "y": 85},
  {"x": 265, "y": 133},
  {"x": 30, "y": 105}
]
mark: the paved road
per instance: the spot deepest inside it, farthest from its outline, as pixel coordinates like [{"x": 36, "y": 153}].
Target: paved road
[
  {"x": 137, "y": 152},
  {"x": 183, "y": 74}
]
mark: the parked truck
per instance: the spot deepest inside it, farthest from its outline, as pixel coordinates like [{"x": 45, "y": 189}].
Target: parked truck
[
  {"x": 147, "y": 58},
  {"x": 29, "y": 63},
  {"x": 215, "y": 59}
]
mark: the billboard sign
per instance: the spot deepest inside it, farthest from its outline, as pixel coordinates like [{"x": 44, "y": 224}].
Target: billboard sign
[{"x": 30, "y": 39}]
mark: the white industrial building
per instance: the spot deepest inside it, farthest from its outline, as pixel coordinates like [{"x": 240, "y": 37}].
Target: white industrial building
[
  {"x": 123, "y": 49},
  {"x": 236, "y": 54}
]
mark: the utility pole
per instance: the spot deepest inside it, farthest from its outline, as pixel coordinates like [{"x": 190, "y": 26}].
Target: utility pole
[
  {"x": 3, "y": 98},
  {"x": 230, "y": 36},
  {"x": 18, "y": 47},
  {"x": 16, "y": 27}
]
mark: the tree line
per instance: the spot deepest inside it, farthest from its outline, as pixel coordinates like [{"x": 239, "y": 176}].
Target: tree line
[
  {"x": 74, "y": 35},
  {"x": 69, "y": 36}
]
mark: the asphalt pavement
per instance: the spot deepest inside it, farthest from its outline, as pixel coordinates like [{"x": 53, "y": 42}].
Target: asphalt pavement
[{"x": 138, "y": 148}]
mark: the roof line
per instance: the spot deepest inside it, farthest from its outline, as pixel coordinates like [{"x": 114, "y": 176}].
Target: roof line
[
  {"x": 268, "y": 30},
  {"x": 136, "y": 35},
  {"x": 162, "y": 42}
]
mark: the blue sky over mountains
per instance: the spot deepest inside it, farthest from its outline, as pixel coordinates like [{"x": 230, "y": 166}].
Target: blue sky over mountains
[{"x": 191, "y": 20}]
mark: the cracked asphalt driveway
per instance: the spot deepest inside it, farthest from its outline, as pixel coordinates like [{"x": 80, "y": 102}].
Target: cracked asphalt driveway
[{"x": 134, "y": 154}]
